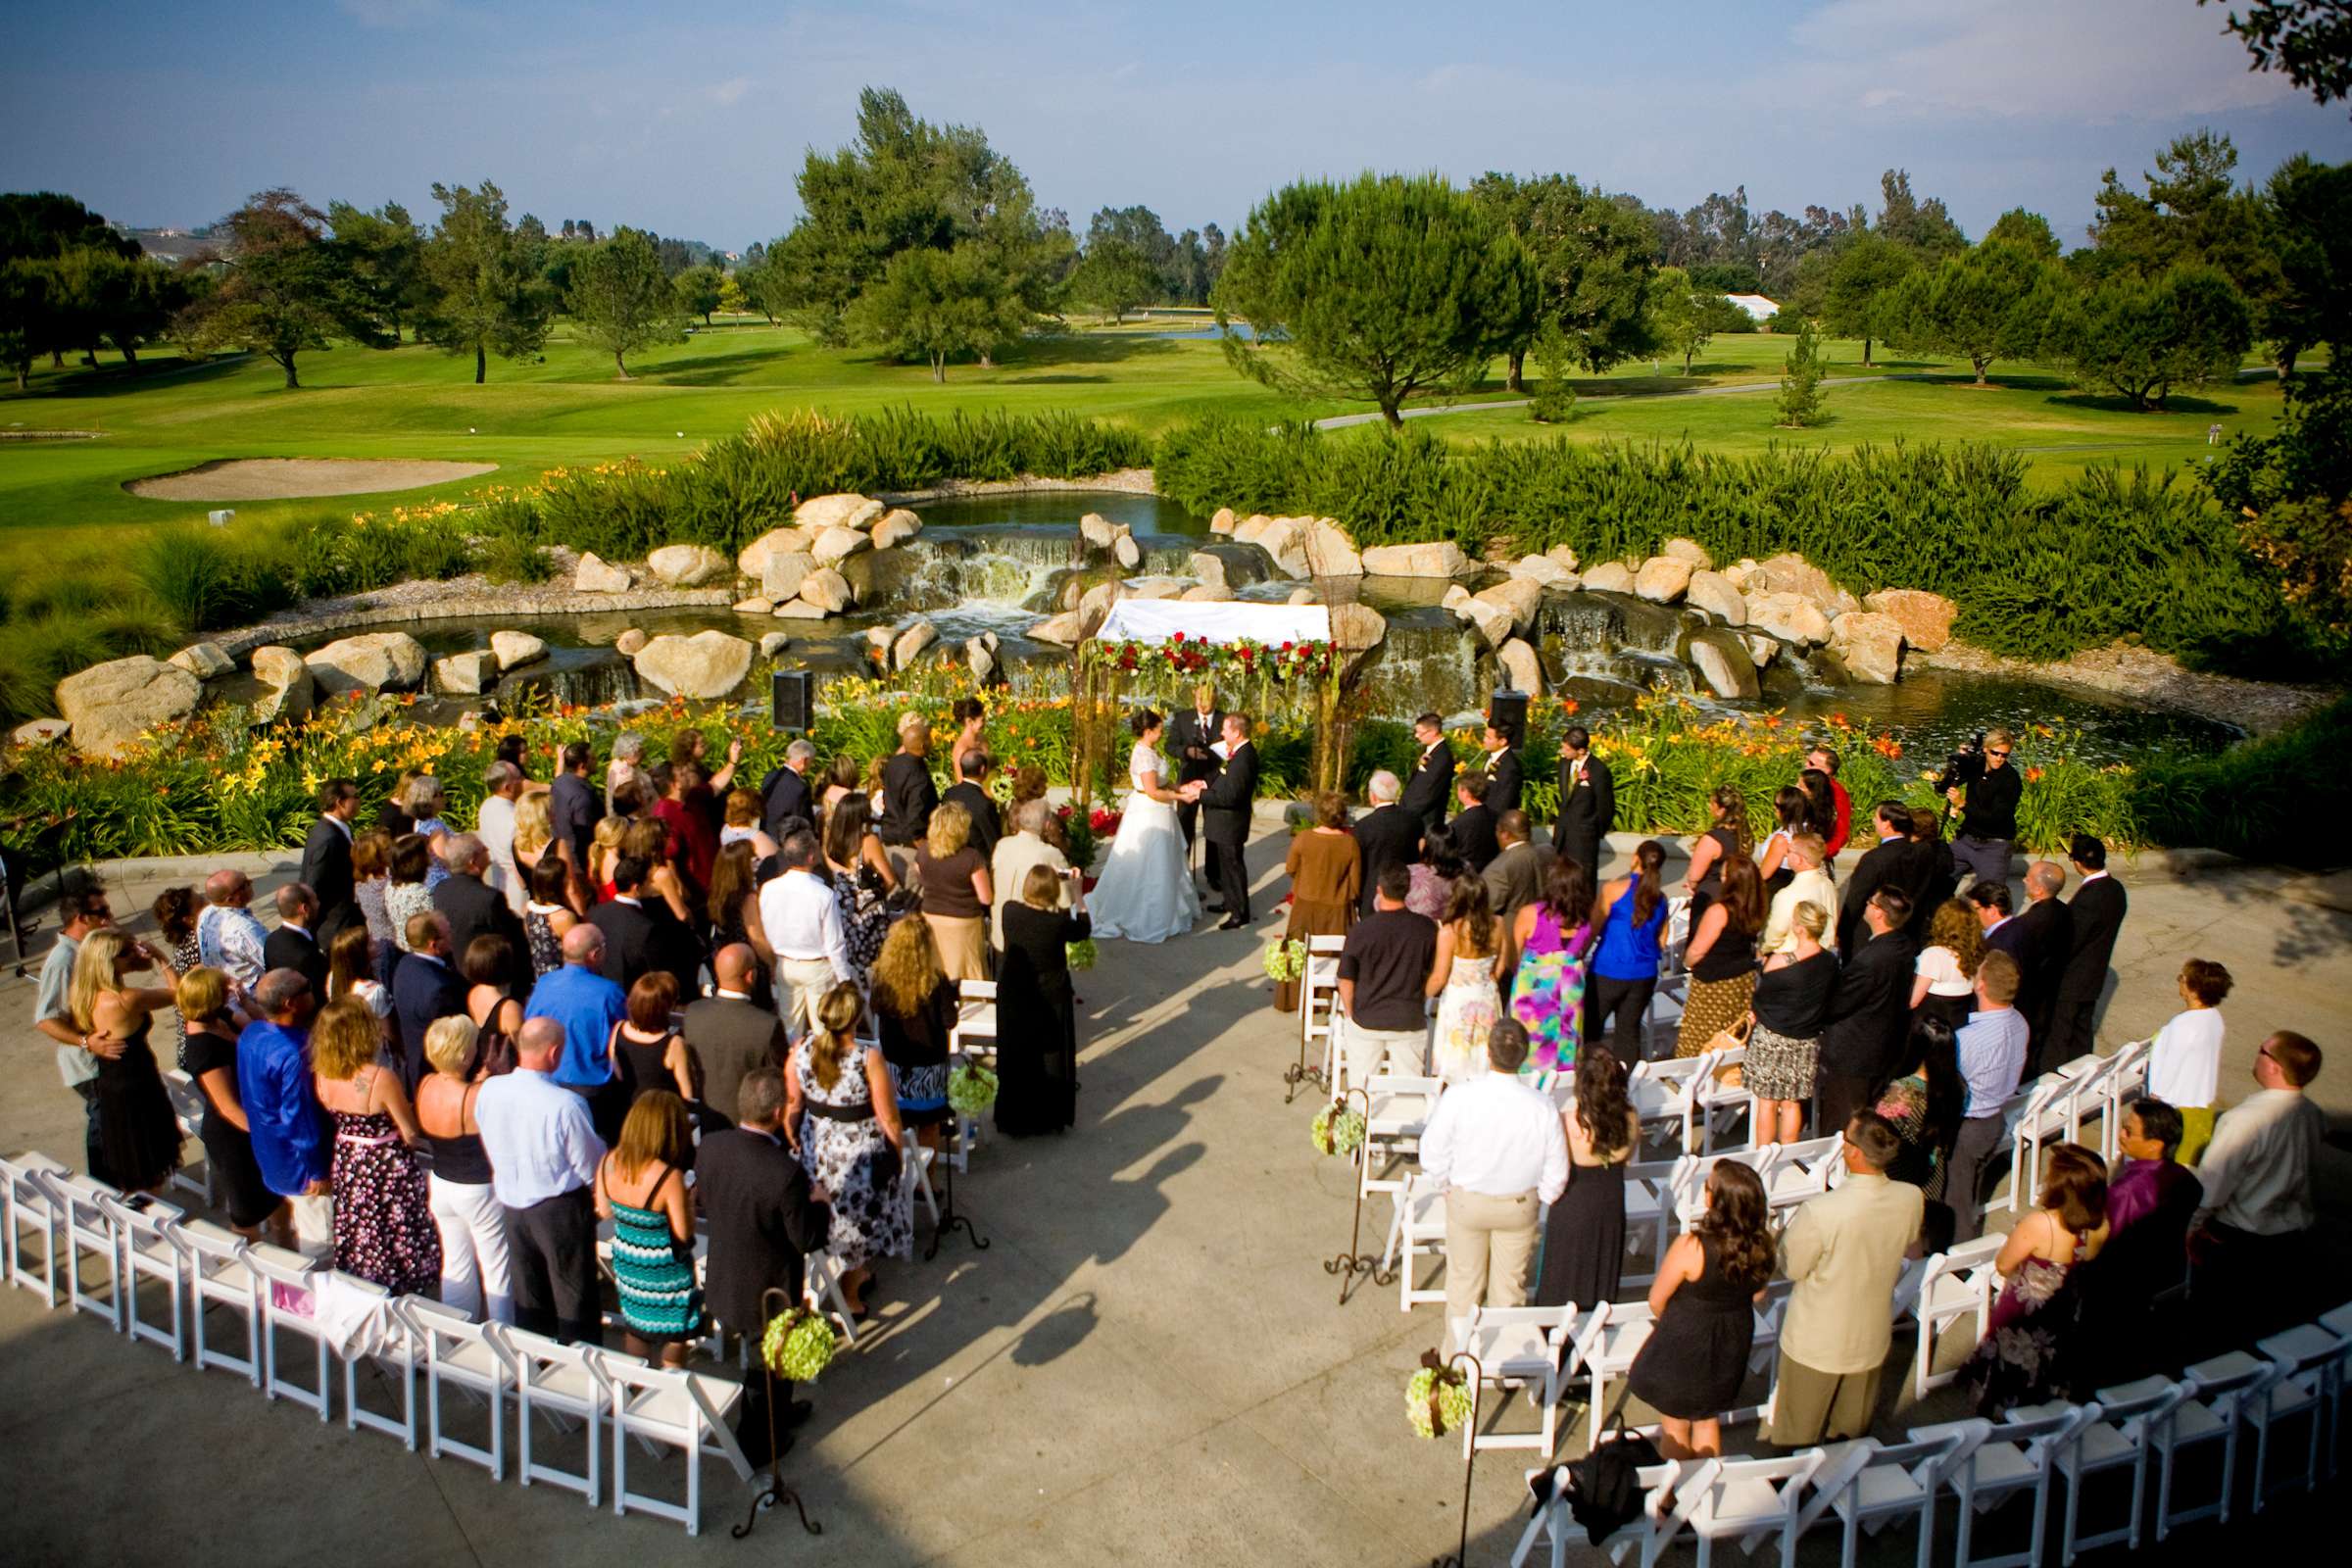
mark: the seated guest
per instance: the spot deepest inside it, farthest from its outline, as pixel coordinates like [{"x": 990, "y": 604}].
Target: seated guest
[
  {"x": 914, "y": 1005},
  {"x": 730, "y": 1032},
  {"x": 1992, "y": 1048},
  {"x": 1496, "y": 1147},
  {"x": 2151, "y": 1201},
  {"x": 2256, "y": 1176},
  {"x": 1384, "y": 975},
  {"x": 2032, "y": 1351},
  {"x": 1326, "y": 868},
  {"x": 2184, "y": 1060},
  {"x": 641, "y": 1188},
  {"x": 1694, "y": 1362},
  {"x": 1037, "y": 1018}
]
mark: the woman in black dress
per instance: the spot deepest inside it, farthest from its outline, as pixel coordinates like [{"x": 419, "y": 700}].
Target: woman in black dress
[
  {"x": 1037, "y": 1021},
  {"x": 137, "y": 1133},
  {"x": 1711, "y": 851},
  {"x": 1584, "y": 1235},
  {"x": 914, "y": 1005},
  {"x": 1695, "y": 1363},
  {"x": 647, "y": 1053},
  {"x": 211, "y": 1060}
]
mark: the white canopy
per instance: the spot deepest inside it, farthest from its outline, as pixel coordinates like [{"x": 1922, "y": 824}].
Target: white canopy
[{"x": 1155, "y": 620}]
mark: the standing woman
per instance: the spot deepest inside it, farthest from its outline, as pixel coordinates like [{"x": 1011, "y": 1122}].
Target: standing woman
[
  {"x": 1327, "y": 879},
  {"x": 1584, "y": 1235},
  {"x": 1632, "y": 917},
  {"x": 742, "y": 824},
  {"x": 1713, "y": 850},
  {"x": 1790, "y": 808},
  {"x": 651, "y": 1055},
  {"x": 202, "y": 996},
  {"x": 1551, "y": 937},
  {"x": 842, "y": 1121},
  {"x": 914, "y": 1005},
  {"x": 371, "y": 883},
  {"x": 174, "y": 912},
  {"x": 843, "y": 780},
  {"x": 409, "y": 894},
  {"x": 384, "y": 1229},
  {"x": 1792, "y": 1006},
  {"x": 475, "y": 1276},
  {"x": 427, "y": 800},
  {"x": 735, "y": 907},
  {"x": 534, "y": 831},
  {"x": 496, "y": 1013},
  {"x": 1821, "y": 812},
  {"x": 137, "y": 1133},
  {"x": 1723, "y": 956},
  {"x": 860, "y": 873},
  {"x": 957, "y": 892},
  {"x": 1466, "y": 977},
  {"x": 2032, "y": 1351},
  {"x": 1945, "y": 986},
  {"x": 547, "y": 916},
  {"x": 1037, "y": 1015},
  {"x": 1703, "y": 1299},
  {"x": 641, "y": 1188}
]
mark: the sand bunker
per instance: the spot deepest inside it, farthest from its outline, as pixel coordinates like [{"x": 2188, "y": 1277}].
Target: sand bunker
[{"x": 282, "y": 479}]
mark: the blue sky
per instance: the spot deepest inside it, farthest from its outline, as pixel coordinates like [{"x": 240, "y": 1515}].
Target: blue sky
[{"x": 692, "y": 120}]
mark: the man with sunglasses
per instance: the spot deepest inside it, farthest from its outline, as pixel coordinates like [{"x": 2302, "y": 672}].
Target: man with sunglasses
[{"x": 1988, "y": 812}]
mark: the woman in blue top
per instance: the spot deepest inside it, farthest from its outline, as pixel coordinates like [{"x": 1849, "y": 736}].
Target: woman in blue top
[
  {"x": 1625, "y": 966},
  {"x": 641, "y": 1188}
]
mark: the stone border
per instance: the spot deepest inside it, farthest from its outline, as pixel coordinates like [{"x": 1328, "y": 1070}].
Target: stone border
[
  {"x": 475, "y": 596},
  {"x": 1119, "y": 481}
]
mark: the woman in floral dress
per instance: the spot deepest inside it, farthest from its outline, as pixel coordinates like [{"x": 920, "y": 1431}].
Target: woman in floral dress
[
  {"x": 1466, "y": 979},
  {"x": 2032, "y": 1351},
  {"x": 1553, "y": 937},
  {"x": 384, "y": 1229},
  {"x": 843, "y": 1120}
]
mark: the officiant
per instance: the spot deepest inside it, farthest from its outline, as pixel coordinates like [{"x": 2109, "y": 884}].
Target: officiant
[{"x": 1195, "y": 733}]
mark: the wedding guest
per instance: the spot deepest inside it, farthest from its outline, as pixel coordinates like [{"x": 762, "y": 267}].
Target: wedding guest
[
  {"x": 1473, "y": 826},
  {"x": 351, "y": 970},
  {"x": 384, "y": 1229},
  {"x": 491, "y": 1005},
  {"x": 1893, "y": 863},
  {"x": 1792, "y": 1004},
  {"x": 1495, "y": 1148},
  {"x": 392, "y": 818},
  {"x": 474, "y": 1266},
  {"x": 1037, "y": 1021},
  {"x": 1992, "y": 1048},
  {"x": 694, "y": 835},
  {"x": 1789, "y": 805},
  {"x": 1925, "y": 1103},
  {"x": 425, "y": 986},
  {"x": 1515, "y": 876},
  {"x": 1552, "y": 941},
  {"x": 1703, "y": 1299},
  {"x": 626, "y": 769},
  {"x": 1942, "y": 872},
  {"x": 916, "y": 1008},
  {"x": 1383, "y": 979},
  {"x": 293, "y": 1142},
  {"x": 1016, "y": 853},
  {"x": 174, "y": 912},
  {"x": 1584, "y": 1231},
  {"x": 2256, "y": 1176},
  {"x": 1824, "y": 760},
  {"x": 477, "y": 908},
  {"x": 1945, "y": 976},
  {"x": 2184, "y": 1059},
  {"x": 407, "y": 896},
  {"x": 908, "y": 797},
  {"x": 2152, "y": 1200},
  {"x": 548, "y": 917},
  {"x": 740, "y": 825},
  {"x": 583, "y": 1005},
  {"x": 859, "y": 889},
  {"x": 1722, "y": 956},
  {"x": 1326, "y": 870},
  {"x": 971, "y": 791},
  {"x": 1867, "y": 1011},
  {"x": 495, "y": 824},
  {"x": 2042, "y": 940},
  {"x": 1726, "y": 841},
  {"x": 1808, "y": 883},
  {"x": 138, "y": 1135},
  {"x": 734, "y": 909},
  {"x": 803, "y": 922},
  {"x": 227, "y": 935},
  {"x": 1631, "y": 916},
  {"x": 1465, "y": 977},
  {"x": 2095, "y": 917},
  {"x": 1844, "y": 1250},
  {"x": 953, "y": 873},
  {"x": 326, "y": 857},
  {"x": 851, "y": 1142},
  {"x": 81, "y": 912},
  {"x": 371, "y": 874},
  {"x": 669, "y": 902},
  {"x": 1387, "y": 834},
  {"x": 572, "y": 815},
  {"x": 731, "y": 1033},
  {"x": 2032, "y": 1351},
  {"x": 427, "y": 800},
  {"x": 1430, "y": 880},
  {"x": 651, "y": 1054},
  {"x": 202, "y": 1001},
  {"x": 544, "y": 1151},
  {"x": 641, "y": 1188},
  {"x": 784, "y": 796}
]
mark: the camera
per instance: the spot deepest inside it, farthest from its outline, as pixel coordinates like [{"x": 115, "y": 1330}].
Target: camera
[{"x": 1964, "y": 767}]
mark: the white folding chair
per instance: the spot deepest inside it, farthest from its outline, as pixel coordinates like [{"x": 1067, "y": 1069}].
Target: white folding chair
[
  {"x": 565, "y": 1384},
  {"x": 2037, "y": 1122},
  {"x": 1319, "y": 991},
  {"x": 1718, "y": 1104},
  {"x": 1417, "y": 1230},
  {"x": 214, "y": 1258},
  {"x": 2127, "y": 1080},
  {"x": 2338, "y": 1322},
  {"x": 1611, "y": 1335},
  {"x": 456, "y": 1350},
  {"x": 1401, "y": 1105},
  {"x": 923, "y": 1157},
  {"x": 31, "y": 1216},
  {"x": 1957, "y": 1284},
  {"x": 2006, "y": 1461},
  {"x": 679, "y": 1409},
  {"x": 2214, "y": 1395},
  {"x": 287, "y": 1288},
  {"x": 1664, "y": 1095},
  {"x": 1744, "y": 1499},
  {"x": 1870, "y": 1484},
  {"x": 148, "y": 1252},
  {"x": 1649, "y": 1216},
  {"x": 1524, "y": 1347},
  {"x": 1555, "y": 1520},
  {"x": 2120, "y": 1433},
  {"x": 972, "y": 1039},
  {"x": 2305, "y": 1357},
  {"x": 187, "y": 1108},
  {"x": 84, "y": 1227},
  {"x": 820, "y": 1282},
  {"x": 390, "y": 1344}
]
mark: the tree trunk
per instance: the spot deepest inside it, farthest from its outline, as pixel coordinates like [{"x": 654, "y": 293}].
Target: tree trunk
[
  {"x": 623, "y": 364},
  {"x": 1687, "y": 356},
  {"x": 1980, "y": 364},
  {"x": 1865, "y": 364},
  {"x": 707, "y": 321},
  {"x": 292, "y": 381},
  {"x": 1396, "y": 421},
  {"x": 939, "y": 368},
  {"x": 24, "y": 374},
  {"x": 481, "y": 364},
  {"x": 57, "y": 359},
  {"x": 1516, "y": 379},
  {"x": 2283, "y": 361},
  {"x": 130, "y": 356}
]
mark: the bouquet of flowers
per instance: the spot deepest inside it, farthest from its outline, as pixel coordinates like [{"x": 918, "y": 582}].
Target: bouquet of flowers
[
  {"x": 1081, "y": 955},
  {"x": 1078, "y": 834},
  {"x": 1438, "y": 1399},
  {"x": 971, "y": 1089},
  {"x": 1337, "y": 1129},
  {"x": 1286, "y": 959},
  {"x": 799, "y": 1344}
]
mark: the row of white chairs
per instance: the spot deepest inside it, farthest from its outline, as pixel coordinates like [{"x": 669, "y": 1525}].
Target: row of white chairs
[
  {"x": 59, "y": 1223},
  {"x": 2143, "y": 1430}
]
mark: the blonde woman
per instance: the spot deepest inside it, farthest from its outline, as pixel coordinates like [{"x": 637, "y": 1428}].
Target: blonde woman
[
  {"x": 914, "y": 1008},
  {"x": 534, "y": 830},
  {"x": 957, "y": 892},
  {"x": 384, "y": 1228},
  {"x": 472, "y": 1226},
  {"x": 1792, "y": 1004},
  {"x": 604, "y": 848},
  {"x": 211, "y": 1060},
  {"x": 851, "y": 1142},
  {"x": 138, "y": 1137}
]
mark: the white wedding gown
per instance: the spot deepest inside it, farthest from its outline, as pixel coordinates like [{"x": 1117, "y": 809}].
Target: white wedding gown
[{"x": 1145, "y": 890}]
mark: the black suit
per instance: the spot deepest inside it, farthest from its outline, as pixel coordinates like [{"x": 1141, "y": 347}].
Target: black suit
[
  {"x": 1506, "y": 775},
  {"x": 763, "y": 1221},
  {"x": 2097, "y": 912},
  {"x": 785, "y": 794},
  {"x": 633, "y": 942},
  {"x": 1431, "y": 787},
  {"x": 288, "y": 949},
  {"x": 326, "y": 869},
  {"x": 1868, "y": 1016},
  {"x": 731, "y": 1037},
  {"x": 1225, "y": 824},
  {"x": 1192, "y": 736},
  {"x": 2044, "y": 941},
  {"x": 474, "y": 908},
  {"x": 1474, "y": 836},
  {"x": 983, "y": 810},
  {"x": 1894, "y": 863},
  {"x": 1387, "y": 835},
  {"x": 909, "y": 798},
  {"x": 1587, "y": 810},
  {"x": 423, "y": 989}
]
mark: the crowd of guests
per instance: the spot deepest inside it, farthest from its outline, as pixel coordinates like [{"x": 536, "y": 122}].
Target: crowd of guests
[{"x": 626, "y": 1001}]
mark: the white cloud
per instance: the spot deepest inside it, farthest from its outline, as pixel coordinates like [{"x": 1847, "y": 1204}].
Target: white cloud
[{"x": 726, "y": 92}]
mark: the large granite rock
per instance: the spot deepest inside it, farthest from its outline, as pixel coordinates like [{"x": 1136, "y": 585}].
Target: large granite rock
[
  {"x": 773, "y": 643},
  {"x": 40, "y": 732},
  {"x": 1788, "y": 573},
  {"x": 1062, "y": 630},
  {"x": 1792, "y": 617},
  {"x": 837, "y": 545},
  {"x": 707, "y": 665},
  {"x": 594, "y": 576},
  {"x": 372, "y": 662},
  {"x": 1304, "y": 595},
  {"x": 288, "y": 689},
  {"x": 1662, "y": 580},
  {"x": 1357, "y": 627},
  {"x": 1712, "y": 592},
  {"x": 1544, "y": 572},
  {"x": 1516, "y": 595},
  {"x": 1687, "y": 550},
  {"x": 801, "y": 610},
  {"x": 1208, "y": 569},
  {"x": 912, "y": 643},
  {"x": 1494, "y": 622},
  {"x": 1439, "y": 558},
  {"x": 1561, "y": 554},
  {"x": 517, "y": 647},
  {"x": 1762, "y": 649},
  {"x": 1329, "y": 552},
  {"x": 1520, "y": 664},
  {"x": 1156, "y": 587},
  {"x": 1222, "y": 521},
  {"x": 829, "y": 590},
  {"x": 1207, "y": 593},
  {"x": 1870, "y": 645},
  {"x": 1125, "y": 551},
  {"x": 838, "y": 511},
  {"x": 686, "y": 565},
  {"x": 1722, "y": 660},
  {"x": 1926, "y": 617},
  {"x": 895, "y": 527},
  {"x": 1454, "y": 598},
  {"x": 1609, "y": 577},
  {"x": 1095, "y": 601},
  {"x": 204, "y": 661},
  {"x": 110, "y": 705},
  {"x": 630, "y": 643},
  {"x": 462, "y": 674},
  {"x": 783, "y": 572},
  {"x": 980, "y": 657},
  {"x": 754, "y": 606},
  {"x": 752, "y": 562}
]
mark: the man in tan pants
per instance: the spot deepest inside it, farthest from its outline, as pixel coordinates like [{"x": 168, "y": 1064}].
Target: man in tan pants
[{"x": 1494, "y": 1144}]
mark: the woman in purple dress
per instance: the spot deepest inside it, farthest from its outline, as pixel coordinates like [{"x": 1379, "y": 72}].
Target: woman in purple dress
[
  {"x": 2033, "y": 1350},
  {"x": 1553, "y": 938}
]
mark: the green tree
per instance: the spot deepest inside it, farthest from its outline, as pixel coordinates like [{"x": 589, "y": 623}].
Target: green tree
[
  {"x": 1680, "y": 318},
  {"x": 24, "y": 315},
  {"x": 288, "y": 287},
  {"x": 386, "y": 257},
  {"x": 1799, "y": 402},
  {"x": 1986, "y": 304},
  {"x": 1863, "y": 277},
  {"x": 1593, "y": 257},
  {"x": 1381, "y": 288},
  {"x": 1116, "y": 276},
  {"x": 486, "y": 282},
  {"x": 937, "y": 305},
  {"x": 620, "y": 299},
  {"x": 1923, "y": 225},
  {"x": 2029, "y": 231},
  {"x": 2291, "y": 492},
  {"x": 699, "y": 290},
  {"x": 2310, "y": 40},
  {"x": 2308, "y": 230},
  {"x": 732, "y": 297},
  {"x": 98, "y": 295},
  {"x": 1555, "y": 356},
  {"x": 2139, "y": 338}
]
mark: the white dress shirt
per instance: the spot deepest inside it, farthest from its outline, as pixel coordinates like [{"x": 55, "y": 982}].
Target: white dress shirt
[
  {"x": 230, "y": 940},
  {"x": 1805, "y": 887},
  {"x": 539, "y": 1138},
  {"x": 803, "y": 922},
  {"x": 495, "y": 827},
  {"x": 1497, "y": 1136},
  {"x": 2257, "y": 1170}
]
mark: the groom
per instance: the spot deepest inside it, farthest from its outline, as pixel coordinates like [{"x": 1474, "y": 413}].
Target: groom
[{"x": 1225, "y": 821}]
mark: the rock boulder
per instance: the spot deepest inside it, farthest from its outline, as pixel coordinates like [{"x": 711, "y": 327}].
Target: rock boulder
[
  {"x": 630, "y": 643},
  {"x": 785, "y": 572},
  {"x": 1520, "y": 664},
  {"x": 1157, "y": 588},
  {"x": 1330, "y": 553},
  {"x": 910, "y": 644},
  {"x": 594, "y": 576},
  {"x": 1689, "y": 549},
  {"x": 801, "y": 610},
  {"x": 1223, "y": 521},
  {"x": 1126, "y": 551},
  {"x": 754, "y": 606},
  {"x": 773, "y": 643},
  {"x": 1494, "y": 622},
  {"x": 1544, "y": 572},
  {"x": 752, "y": 562},
  {"x": 1712, "y": 592},
  {"x": 829, "y": 590},
  {"x": 1207, "y": 593},
  {"x": 686, "y": 565},
  {"x": 1788, "y": 573},
  {"x": 838, "y": 511},
  {"x": 707, "y": 665},
  {"x": 1870, "y": 645},
  {"x": 1723, "y": 662},
  {"x": 1516, "y": 595},
  {"x": 1926, "y": 617},
  {"x": 463, "y": 673},
  {"x": 204, "y": 661},
  {"x": 895, "y": 527},
  {"x": 1062, "y": 630},
  {"x": 514, "y": 648},
  {"x": 40, "y": 732},
  {"x": 1357, "y": 627},
  {"x": 1439, "y": 558},
  {"x": 110, "y": 705},
  {"x": 837, "y": 545},
  {"x": 1609, "y": 577},
  {"x": 1663, "y": 579},
  {"x": 1098, "y": 531},
  {"x": 1792, "y": 617},
  {"x": 372, "y": 662}
]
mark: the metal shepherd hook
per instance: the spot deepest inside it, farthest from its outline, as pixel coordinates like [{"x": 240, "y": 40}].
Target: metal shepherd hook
[{"x": 1351, "y": 1263}]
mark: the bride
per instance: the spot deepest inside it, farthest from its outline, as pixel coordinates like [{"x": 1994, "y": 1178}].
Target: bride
[{"x": 1146, "y": 891}]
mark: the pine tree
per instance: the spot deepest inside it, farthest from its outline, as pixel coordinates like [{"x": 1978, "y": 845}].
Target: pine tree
[{"x": 1800, "y": 380}]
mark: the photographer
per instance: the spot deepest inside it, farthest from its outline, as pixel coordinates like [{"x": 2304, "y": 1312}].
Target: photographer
[{"x": 1987, "y": 790}]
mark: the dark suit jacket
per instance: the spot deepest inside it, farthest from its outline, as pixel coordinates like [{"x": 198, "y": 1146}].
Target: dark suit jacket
[
  {"x": 1225, "y": 804},
  {"x": 1474, "y": 836},
  {"x": 761, "y": 1221},
  {"x": 1430, "y": 789},
  {"x": 731, "y": 1037},
  {"x": 327, "y": 867},
  {"x": 1515, "y": 877},
  {"x": 909, "y": 798},
  {"x": 2046, "y": 941},
  {"x": 1891, "y": 862},
  {"x": 1870, "y": 1010},
  {"x": 786, "y": 795},
  {"x": 2097, "y": 909},
  {"x": 423, "y": 989},
  {"x": 1187, "y": 734},
  {"x": 1388, "y": 835},
  {"x": 986, "y": 830},
  {"x": 633, "y": 943},
  {"x": 1586, "y": 811},
  {"x": 474, "y": 908},
  {"x": 2009, "y": 937},
  {"x": 1505, "y": 774},
  {"x": 288, "y": 949}
]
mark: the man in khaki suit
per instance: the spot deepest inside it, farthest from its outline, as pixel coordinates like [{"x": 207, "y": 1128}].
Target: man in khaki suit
[{"x": 1845, "y": 1250}]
